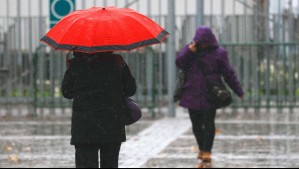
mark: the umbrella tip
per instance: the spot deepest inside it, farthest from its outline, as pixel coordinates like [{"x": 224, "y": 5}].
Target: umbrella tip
[{"x": 104, "y": 9}]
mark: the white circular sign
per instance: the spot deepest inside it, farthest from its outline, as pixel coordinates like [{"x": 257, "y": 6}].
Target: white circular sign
[{"x": 55, "y": 14}]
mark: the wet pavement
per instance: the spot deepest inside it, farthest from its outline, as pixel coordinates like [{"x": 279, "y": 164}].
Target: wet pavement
[
  {"x": 39, "y": 144},
  {"x": 243, "y": 140}
]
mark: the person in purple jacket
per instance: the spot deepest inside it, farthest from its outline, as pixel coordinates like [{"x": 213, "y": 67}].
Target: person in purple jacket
[{"x": 204, "y": 50}]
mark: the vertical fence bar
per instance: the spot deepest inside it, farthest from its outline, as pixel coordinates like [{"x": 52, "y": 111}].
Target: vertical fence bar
[
  {"x": 185, "y": 8},
  {"x": 127, "y": 54},
  {"x": 267, "y": 38},
  {"x": 236, "y": 56},
  {"x": 42, "y": 71},
  {"x": 149, "y": 73},
  {"x": 8, "y": 56},
  {"x": 291, "y": 55},
  {"x": 234, "y": 39},
  {"x": 143, "y": 78},
  {"x": 19, "y": 69},
  {"x": 275, "y": 73},
  {"x": 149, "y": 66},
  {"x": 52, "y": 83},
  {"x": 297, "y": 85},
  {"x": 14, "y": 62},
  {"x": 138, "y": 76},
  {"x": 31, "y": 90},
  {"x": 297, "y": 72},
  {"x": 185, "y": 26},
  {"x": 260, "y": 53},
  {"x": 171, "y": 48},
  {"x": 211, "y": 14},
  {"x": 246, "y": 50},
  {"x": 282, "y": 59},
  {"x": 223, "y": 24},
  {"x": 256, "y": 60},
  {"x": 83, "y": 4},
  {"x": 285, "y": 78},
  {"x": 279, "y": 55},
  {"x": 62, "y": 69},
  {"x": 160, "y": 56},
  {"x": 149, "y": 77},
  {"x": 40, "y": 14},
  {"x": 7, "y": 15},
  {"x": 199, "y": 12},
  {"x": 41, "y": 59},
  {"x": 290, "y": 90},
  {"x": 58, "y": 80},
  {"x": 138, "y": 69},
  {"x": 234, "y": 26}
]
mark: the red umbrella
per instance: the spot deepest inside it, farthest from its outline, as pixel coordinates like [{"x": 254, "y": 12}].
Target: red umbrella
[{"x": 104, "y": 29}]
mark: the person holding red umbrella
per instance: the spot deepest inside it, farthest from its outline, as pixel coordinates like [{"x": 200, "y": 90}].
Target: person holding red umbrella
[
  {"x": 97, "y": 79},
  {"x": 93, "y": 81}
]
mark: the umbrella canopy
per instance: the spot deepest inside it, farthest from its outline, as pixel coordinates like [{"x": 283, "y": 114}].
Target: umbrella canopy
[{"x": 104, "y": 29}]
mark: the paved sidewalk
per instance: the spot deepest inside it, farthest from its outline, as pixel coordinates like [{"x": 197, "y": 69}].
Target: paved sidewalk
[
  {"x": 247, "y": 143},
  {"x": 149, "y": 143},
  {"x": 243, "y": 140}
]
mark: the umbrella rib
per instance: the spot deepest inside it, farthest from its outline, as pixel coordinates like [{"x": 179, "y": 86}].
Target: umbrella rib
[
  {"x": 82, "y": 16},
  {"x": 124, "y": 14},
  {"x": 131, "y": 17},
  {"x": 73, "y": 24},
  {"x": 116, "y": 21}
]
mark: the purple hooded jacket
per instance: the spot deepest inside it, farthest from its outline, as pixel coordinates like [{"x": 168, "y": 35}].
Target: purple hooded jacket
[{"x": 215, "y": 59}]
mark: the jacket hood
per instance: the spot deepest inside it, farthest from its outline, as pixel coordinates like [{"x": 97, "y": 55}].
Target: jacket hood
[{"x": 205, "y": 36}]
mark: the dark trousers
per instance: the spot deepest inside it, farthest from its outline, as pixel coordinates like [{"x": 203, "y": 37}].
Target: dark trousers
[
  {"x": 87, "y": 155},
  {"x": 203, "y": 122}
]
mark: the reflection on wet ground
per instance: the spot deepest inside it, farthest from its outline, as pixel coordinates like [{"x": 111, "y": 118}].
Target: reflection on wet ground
[
  {"x": 238, "y": 145},
  {"x": 243, "y": 140},
  {"x": 42, "y": 144}
]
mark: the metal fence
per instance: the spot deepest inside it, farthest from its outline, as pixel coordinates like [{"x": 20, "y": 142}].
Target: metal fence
[{"x": 265, "y": 57}]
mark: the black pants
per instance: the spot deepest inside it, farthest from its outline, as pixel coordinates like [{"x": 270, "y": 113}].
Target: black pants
[
  {"x": 203, "y": 122},
  {"x": 87, "y": 155}
]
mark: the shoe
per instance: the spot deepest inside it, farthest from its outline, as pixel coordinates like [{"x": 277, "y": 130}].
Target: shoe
[
  {"x": 199, "y": 156},
  {"x": 206, "y": 157}
]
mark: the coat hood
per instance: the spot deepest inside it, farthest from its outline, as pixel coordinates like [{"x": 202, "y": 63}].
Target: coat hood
[{"x": 205, "y": 36}]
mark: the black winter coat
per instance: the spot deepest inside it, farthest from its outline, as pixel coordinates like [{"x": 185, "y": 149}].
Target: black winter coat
[{"x": 97, "y": 89}]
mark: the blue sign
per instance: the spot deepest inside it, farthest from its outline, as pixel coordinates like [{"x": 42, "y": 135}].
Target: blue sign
[{"x": 59, "y": 9}]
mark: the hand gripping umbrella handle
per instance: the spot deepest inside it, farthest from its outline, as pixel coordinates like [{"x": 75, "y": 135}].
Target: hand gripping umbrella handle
[{"x": 68, "y": 56}]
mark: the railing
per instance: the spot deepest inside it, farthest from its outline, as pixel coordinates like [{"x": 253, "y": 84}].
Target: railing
[
  {"x": 269, "y": 73},
  {"x": 30, "y": 80}
]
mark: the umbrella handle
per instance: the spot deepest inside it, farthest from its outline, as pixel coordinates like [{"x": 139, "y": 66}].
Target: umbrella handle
[{"x": 67, "y": 59}]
